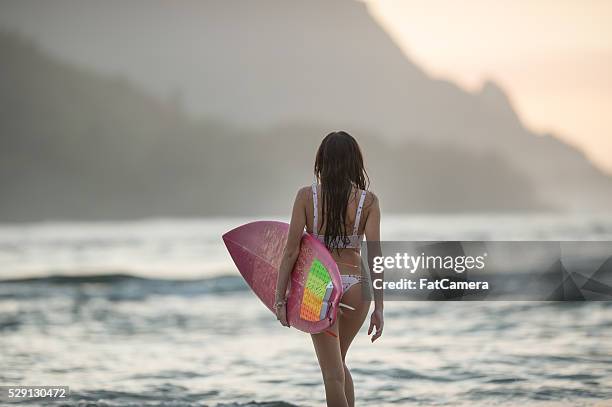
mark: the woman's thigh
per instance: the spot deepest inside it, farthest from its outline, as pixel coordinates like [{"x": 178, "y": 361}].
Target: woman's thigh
[
  {"x": 331, "y": 346},
  {"x": 350, "y": 321},
  {"x": 327, "y": 348}
]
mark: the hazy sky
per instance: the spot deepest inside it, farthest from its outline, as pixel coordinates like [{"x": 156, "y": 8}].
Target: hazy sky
[{"x": 553, "y": 57}]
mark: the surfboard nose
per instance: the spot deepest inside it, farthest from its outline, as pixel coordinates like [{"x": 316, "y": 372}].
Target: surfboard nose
[
  {"x": 265, "y": 239},
  {"x": 251, "y": 233}
]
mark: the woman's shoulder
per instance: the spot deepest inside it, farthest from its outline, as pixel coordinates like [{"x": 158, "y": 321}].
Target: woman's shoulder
[
  {"x": 305, "y": 190},
  {"x": 304, "y": 193},
  {"x": 370, "y": 199}
]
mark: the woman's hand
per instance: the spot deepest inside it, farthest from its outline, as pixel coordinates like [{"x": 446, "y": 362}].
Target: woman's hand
[
  {"x": 281, "y": 313},
  {"x": 376, "y": 320}
]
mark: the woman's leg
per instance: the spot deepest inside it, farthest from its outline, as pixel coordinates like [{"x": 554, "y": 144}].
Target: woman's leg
[
  {"x": 349, "y": 324},
  {"x": 327, "y": 348}
]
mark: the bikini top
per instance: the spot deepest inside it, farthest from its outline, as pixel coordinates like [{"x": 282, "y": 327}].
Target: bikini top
[{"x": 354, "y": 240}]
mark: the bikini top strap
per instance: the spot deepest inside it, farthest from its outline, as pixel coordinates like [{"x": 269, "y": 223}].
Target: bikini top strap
[
  {"x": 314, "y": 202},
  {"x": 359, "y": 210}
]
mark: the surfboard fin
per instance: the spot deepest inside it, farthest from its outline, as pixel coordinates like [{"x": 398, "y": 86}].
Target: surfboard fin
[{"x": 346, "y": 306}]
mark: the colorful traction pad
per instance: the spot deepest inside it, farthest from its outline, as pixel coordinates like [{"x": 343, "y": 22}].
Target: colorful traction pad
[{"x": 317, "y": 291}]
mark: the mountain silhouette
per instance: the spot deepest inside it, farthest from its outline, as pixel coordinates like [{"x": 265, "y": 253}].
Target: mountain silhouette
[
  {"x": 80, "y": 145},
  {"x": 272, "y": 69}
]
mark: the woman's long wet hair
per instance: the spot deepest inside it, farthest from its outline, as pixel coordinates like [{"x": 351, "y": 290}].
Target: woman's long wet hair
[{"x": 338, "y": 167}]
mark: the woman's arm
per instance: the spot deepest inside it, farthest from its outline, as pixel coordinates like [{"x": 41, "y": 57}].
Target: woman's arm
[
  {"x": 290, "y": 254},
  {"x": 372, "y": 233}
]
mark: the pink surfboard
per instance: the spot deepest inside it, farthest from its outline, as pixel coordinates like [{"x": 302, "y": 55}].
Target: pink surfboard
[{"x": 316, "y": 288}]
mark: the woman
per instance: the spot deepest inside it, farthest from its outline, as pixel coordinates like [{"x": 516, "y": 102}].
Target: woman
[{"x": 338, "y": 210}]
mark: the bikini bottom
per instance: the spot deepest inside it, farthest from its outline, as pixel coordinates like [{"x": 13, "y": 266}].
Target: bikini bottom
[{"x": 349, "y": 280}]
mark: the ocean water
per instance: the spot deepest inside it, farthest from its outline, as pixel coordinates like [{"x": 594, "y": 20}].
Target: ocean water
[{"x": 153, "y": 313}]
